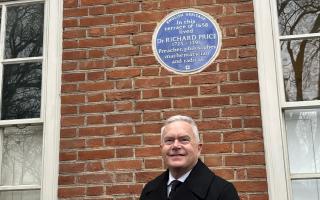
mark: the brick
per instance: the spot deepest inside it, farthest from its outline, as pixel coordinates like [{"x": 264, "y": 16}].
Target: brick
[
  {"x": 95, "y": 21},
  {"x": 96, "y": 131},
  {"x": 67, "y": 156},
  {"x": 240, "y": 88},
  {"x": 210, "y": 101},
  {"x": 94, "y": 191},
  {"x": 72, "y": 121},
  {"x": 93, "y": 166},
  {"x": 124, "y": 165},
  {"x": 72, "y": 99},
  {"x": 149, "y": 94},
  {"x": 237, "y": 65},
  {"x": 238, "y": 42},
  {"x": 148, "y": 16},
  {"x": 151, "y": 140},
  {"x": 241, "y": 111},
  {"x": 168, "y": 4},
  {"x": 181, "y": 103},
  {"x": 96, "y": 154},
  {"x": 72, "y": 144},
  {"x": 95, "y": 178},
  {"x": 99, "y": 119},
  {"x": 214, "y": 124},
  {"x": 94, "y": 143},
  {"x": 74, "y": 55},
  {"x": 249, "y": 75},
  {"x": 208, "y": 90},
  {"x": 178, "y": 92},
  {"x": 71, "y": 168},
  {"x": 124, "y": 177},
  {"x": 122, "y": 19},
  {"x": 254, "y": 147},
  {"x": 122, "y": 51},
  {"x": 124, "y": 189},
  {"x": 75, "y": 12},
  {"x": 213, "y": 161},
  {"x": 252, "y": 123},
  {"x": 97, "y": 10},
  {"x": 68, "y": 133},
  {"x": 216, "y": 148},
  {"x": 256, "y": 173},
  {"x": 123, "y": 141},
  {"x": 127, "y": 73},
  {"x": 144, "y": 177},
  {"x": 245, "y": 135},
  {"x": 122, "y": 30},
  {"x": 153, "y": 105},
  {"x": 95, "y": 2},
  {"x": 122, "y": 118},
  {"x": 96, "y": 108},
  {"x": 101, "y": 42},
  {"x": 122, "y": 8},
  {"x": 70, "y": 3},
  {"x": 148, "y": 128},
  {"x": 71, "y": 34},
  {"x": 74, "y": 77},
  {"x": 148, "y": 151},
  {"x": 96, "y": 86},
  {"x": 152, "y": 82},
  {"x": 124, "y": 106},
  {"x": 124, "y": 153},
  {"x": 71, "y": 192},
  {"x": 250, "y": 186},
  {"x": 244, "y": 160},
  {"x": 66, "y": 180},
  {"x": 236, "y": 19},
  {"x": 208, "y": 79},
  {"x": 144, "y": 60}
]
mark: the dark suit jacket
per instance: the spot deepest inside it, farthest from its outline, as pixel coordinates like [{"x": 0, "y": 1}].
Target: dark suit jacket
[{"x": 201, "y": 184}]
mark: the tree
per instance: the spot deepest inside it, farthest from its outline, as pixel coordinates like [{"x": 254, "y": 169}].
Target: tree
[{"x": 300, "y": 17}]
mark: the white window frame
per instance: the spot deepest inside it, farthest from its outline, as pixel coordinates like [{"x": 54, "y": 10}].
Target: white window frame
[
  {"x": 50, "y": 100},
  {"x": 272, "y": 99},
  {"x": 53, "y": 18}
]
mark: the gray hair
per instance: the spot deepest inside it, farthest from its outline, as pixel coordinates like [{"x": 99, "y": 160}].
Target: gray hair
[{"x": 187, "y": 119}]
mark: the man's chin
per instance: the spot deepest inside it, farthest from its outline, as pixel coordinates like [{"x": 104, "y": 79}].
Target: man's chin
[{"x": 176, "y": 162}]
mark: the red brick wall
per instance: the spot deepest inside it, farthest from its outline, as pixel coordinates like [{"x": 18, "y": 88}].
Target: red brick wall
[{"x": 115, "y": 97}]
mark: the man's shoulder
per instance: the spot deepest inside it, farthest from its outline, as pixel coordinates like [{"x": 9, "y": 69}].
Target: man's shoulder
[{"x": 156, "y": 182}]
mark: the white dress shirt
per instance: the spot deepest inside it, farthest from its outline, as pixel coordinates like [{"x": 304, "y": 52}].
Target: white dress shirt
[{"x": 171, "y": 178}]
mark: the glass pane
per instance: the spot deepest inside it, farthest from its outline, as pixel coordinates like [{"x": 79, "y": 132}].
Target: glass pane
[
  {"x": 24, "y": 31},
  {"x": 306, "y": 189},
  {"x": 301, "y": 69},
  {"x": 20, "y": 195},
  {"x": 21, "y": 92},
  {"x": 298, "y": 16},
  {"x": 21, "y": 155},
  {"x": 303, "y": 136}
]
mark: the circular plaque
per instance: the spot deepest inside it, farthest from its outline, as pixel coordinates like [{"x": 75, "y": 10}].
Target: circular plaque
[{"x": 186, "y": 41}]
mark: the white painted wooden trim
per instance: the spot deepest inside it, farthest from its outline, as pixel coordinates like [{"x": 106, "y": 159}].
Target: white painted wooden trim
[
  {"x": 20, "y": 187},
  {"x": 51, "y": 127},
  {"x": 270, "y": 106}
]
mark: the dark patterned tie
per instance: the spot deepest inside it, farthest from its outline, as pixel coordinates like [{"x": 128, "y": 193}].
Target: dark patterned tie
[{"x": 174, "y": 185}]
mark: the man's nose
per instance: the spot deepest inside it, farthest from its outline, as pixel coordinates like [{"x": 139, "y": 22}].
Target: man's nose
[{"x": 176, "y": 143}]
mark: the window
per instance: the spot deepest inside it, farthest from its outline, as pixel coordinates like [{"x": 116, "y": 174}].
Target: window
[
  {"x": 28, "y": 125},
  {"x": 288, "y": 40}
]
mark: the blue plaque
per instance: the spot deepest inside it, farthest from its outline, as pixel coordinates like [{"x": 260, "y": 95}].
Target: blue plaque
[{"x": 186, "y": 41}]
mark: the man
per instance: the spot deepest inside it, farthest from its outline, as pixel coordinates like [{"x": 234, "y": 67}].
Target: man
[{"x": 181, "y": 148}]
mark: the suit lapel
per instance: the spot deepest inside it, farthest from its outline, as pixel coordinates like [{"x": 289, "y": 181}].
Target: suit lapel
[
  {"x": 158, "y": 189},
  {"x": 199, "y": 180}
]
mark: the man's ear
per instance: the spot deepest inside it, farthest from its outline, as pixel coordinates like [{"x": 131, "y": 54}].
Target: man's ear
[{"x": 199, "y": 147}]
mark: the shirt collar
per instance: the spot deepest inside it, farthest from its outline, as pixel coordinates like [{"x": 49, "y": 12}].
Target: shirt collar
[{"x": 181, "y": 179}]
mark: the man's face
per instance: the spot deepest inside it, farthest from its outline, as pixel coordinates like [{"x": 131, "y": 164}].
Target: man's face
[{"x": 179, "y": 147}]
